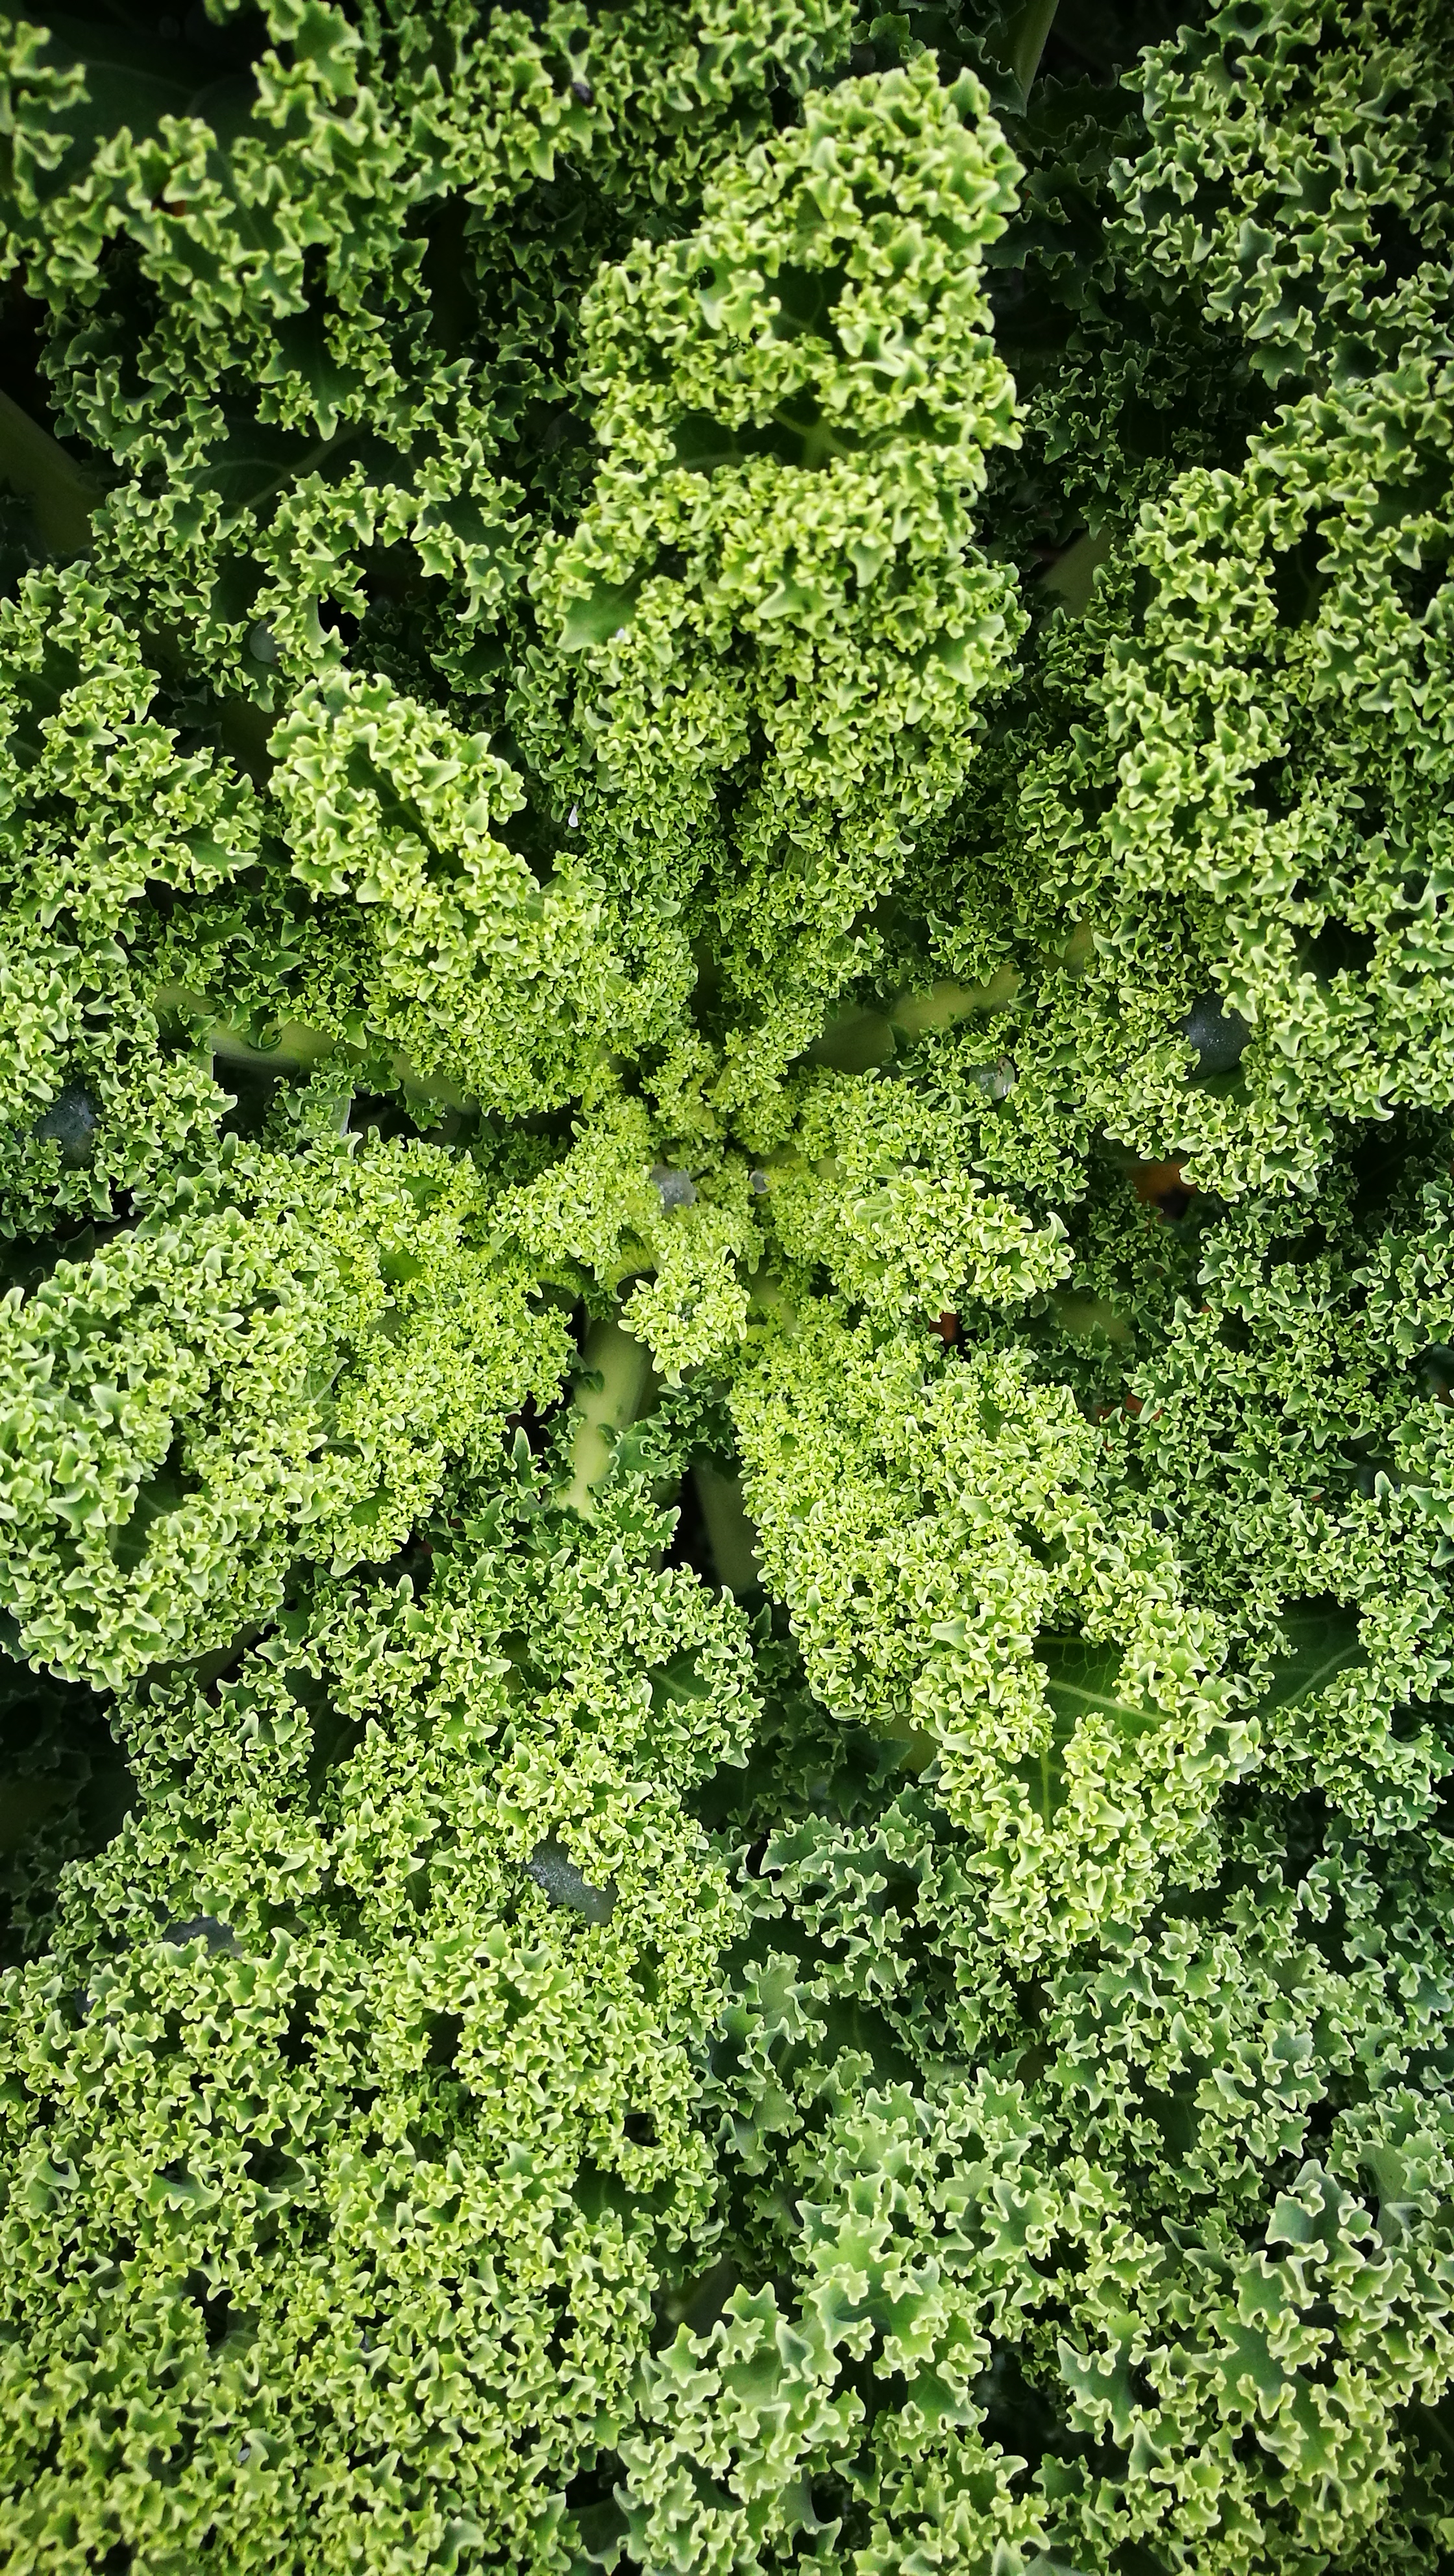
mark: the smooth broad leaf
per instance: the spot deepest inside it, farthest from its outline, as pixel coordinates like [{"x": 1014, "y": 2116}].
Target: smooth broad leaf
[
  {"x": 26, "y": 1800},
  {"x": 303, "y": 350},
  {"x": 1026, "y": 30},
  {"x": 1080, "y": 1678},
  {"x": 590, "y": 621},
  {"x": 958, "y": 656},
  {"x": 130, "y": 83},
  {"x": 678, "y": 1684},
  {"x": 704, "y": 443},
  {"x": 257, "y": 459},
  {"x": 1325, "y": 1642},
  {"x": 164, "y": 1491},
  {"x": 562, "y": 1884}
]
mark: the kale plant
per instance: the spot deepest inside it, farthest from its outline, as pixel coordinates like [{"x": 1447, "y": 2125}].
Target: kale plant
[{"x": 727, "y": 1288}]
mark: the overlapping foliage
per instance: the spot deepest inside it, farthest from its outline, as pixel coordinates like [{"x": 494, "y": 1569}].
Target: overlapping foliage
[{"x": 726, "y": 1127}]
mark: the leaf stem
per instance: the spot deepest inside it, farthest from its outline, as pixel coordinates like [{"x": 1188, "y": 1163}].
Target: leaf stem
[
  {"x": 730, "y": 1534},
  {"x": 59, "y": 490},
  {"x": 1029, "y": 32},
  {"x": 612, "y": 1386}
]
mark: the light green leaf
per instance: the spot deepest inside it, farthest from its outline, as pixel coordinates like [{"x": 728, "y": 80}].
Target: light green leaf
[{"x": 590, "y": 621}]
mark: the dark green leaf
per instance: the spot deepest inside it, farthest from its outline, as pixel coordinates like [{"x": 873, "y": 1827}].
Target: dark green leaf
[{"x": 1325, "y": 1641}]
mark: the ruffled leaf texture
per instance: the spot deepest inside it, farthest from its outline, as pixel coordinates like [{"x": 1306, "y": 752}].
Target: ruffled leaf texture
[{"x": 726, "y": 1311}]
